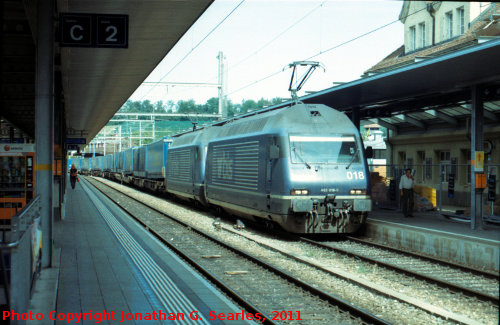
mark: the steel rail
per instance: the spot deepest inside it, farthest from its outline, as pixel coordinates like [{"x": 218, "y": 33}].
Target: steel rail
[
  {"x": 462, "y": 267},
  {"x": 442, "y": 283},
  {"x": 231, "y": 293},
  {"x": 339, "y": 302}
]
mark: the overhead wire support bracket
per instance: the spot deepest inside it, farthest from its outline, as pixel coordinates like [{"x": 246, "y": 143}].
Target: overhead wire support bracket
[{"x": 297, "y": 82}]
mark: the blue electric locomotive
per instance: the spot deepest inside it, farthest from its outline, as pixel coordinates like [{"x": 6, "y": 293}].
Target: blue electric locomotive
[
  {"x": 186, "y": 164},
  {"x": 301, "y": 167}
]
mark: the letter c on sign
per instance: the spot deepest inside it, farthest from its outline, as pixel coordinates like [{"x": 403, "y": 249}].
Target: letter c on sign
[{"x": 72, "y": 32}]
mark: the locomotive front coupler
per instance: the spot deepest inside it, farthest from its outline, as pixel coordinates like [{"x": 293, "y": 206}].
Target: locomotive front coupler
[{"x": 330, "y": 211}]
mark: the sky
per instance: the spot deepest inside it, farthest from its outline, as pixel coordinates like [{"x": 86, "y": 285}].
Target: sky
[{"x": 259, "y": 38}]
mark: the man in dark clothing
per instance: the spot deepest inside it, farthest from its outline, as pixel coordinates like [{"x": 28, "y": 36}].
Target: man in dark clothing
[{"x": 73, "y": 176}]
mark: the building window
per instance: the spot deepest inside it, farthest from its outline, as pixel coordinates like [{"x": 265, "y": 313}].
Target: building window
[
  {"x": 413, "y": 38},
  {"x": 409, "y": 163},
  {"x": 444, "y": 155},
  {"x": 448, "y": 24},
  {"x": 445, "y": 162},
  {"x": 421, "y": 32},
  {"x": 428, "y": 168},
  {"x": 461, "y": 20},
  {"x": 420, "y": 167},
  {"x": 402, "y": 157},
  {"x": 454, "y": 168}
]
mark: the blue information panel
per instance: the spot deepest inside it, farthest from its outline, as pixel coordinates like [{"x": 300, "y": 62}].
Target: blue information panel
[
  {"x": 93, "y": 30},
  {"x": 76, "y": 141}
]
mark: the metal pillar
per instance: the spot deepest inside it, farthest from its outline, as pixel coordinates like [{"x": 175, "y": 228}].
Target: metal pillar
[
  {"x": 44, "y": 124},
  {"x": 355, "y": 117},
  {"x": 154, "y": 121},
  {"x": 104, "y": 143},
  {"x": 221, "y": 86},
  {"x": 476, "y": 202}
]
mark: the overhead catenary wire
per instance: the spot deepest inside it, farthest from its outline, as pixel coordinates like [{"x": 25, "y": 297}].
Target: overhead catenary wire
[
  {"x": 270, "y": 42},
  {"x": 328, "y": 50},
  {"x": 295, "y": 23},
  {"x": 196, "y": 46}
]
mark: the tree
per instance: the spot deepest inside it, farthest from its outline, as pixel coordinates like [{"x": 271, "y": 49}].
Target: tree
[
  {"x": 186, "y": 106},
  {"x": 170, "y": 106},
  {"x": 146, "y": 106},
  {"x": 158, "y": 107},
  {"x": 126, "y": 107},
  {"x": 276, "y": 100},
  {"x": 212, "y": 106},
  {"x": 232, "y": 109},
  {"x": 190, "y": 107},
  {"x": 136, "y": 107},
  {"x": 263, "y": 103},
  {"x": 248, "y": 105}
]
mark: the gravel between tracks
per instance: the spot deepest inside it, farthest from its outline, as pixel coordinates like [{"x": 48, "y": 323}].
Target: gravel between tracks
[{"x": 389, "y": 309}]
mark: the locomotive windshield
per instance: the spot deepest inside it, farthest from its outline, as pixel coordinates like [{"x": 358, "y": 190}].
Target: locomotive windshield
[{"x": 324, "y": 150}]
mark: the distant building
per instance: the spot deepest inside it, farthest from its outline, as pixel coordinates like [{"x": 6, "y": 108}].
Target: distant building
[
  {"x": 431, "y": 29},
  {"x": 435, "y": 28}
]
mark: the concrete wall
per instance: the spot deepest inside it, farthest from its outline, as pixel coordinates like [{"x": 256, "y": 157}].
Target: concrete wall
[{"x": 470, "y": 251}]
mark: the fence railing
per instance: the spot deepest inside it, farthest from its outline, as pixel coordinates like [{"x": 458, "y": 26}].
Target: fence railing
[
  {"x": 441, "y": 187},
  {"x": 19, "y": 262}
]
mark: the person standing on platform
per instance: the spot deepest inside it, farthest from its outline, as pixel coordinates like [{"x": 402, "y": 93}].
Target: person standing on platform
[
  {"x": 73, "y": 176},
  {"x": 406, "y": 190}
]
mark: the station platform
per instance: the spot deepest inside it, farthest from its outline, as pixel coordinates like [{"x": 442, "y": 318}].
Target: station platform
[
  {"x": 436, "y": 234},
  {"x": 109, "y": 267}
]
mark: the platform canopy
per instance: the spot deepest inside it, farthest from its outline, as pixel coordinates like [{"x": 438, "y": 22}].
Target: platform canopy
[{"x": 434, "y": 93}]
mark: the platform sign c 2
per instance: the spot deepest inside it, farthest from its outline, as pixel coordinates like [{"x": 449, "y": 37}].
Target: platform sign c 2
[
  {"x": 479, "y": 161},
  {"x": 93, "y": 30}
]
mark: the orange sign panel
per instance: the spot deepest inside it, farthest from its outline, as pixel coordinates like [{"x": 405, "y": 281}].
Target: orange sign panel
[
  {"x": 480, "y": 180},
  {"x": 479, "y": 161}
]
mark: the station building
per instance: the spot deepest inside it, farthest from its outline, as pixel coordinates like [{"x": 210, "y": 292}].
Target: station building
[{"x": 438, "y": 142}]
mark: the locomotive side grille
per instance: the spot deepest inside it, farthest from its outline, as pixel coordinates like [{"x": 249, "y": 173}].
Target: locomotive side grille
[
  {"x": 236, "y": 165},
  {"x": 179, "y": 167}
]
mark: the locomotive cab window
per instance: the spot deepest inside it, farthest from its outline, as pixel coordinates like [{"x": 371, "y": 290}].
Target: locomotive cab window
[{"x": 339, "y": 149}]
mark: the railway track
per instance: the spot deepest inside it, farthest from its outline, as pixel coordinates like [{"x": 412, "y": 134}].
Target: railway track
[
  {"x": 245, "y": 278},
  {"x": 322, "y": 261},
  {"x": 445, "y": 314},
  {"x": 475, "y": 283},
  {"x": 485, "y": 273}
]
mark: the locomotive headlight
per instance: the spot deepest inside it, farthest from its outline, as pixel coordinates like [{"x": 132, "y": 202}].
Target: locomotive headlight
[
  {"x": 354, "y": 191},
  {"x": 299, "y": 192}
]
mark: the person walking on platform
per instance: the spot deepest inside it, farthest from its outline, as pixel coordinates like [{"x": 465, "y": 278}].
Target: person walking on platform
[
  {"x": 73, "y": 176},
  {"x": 406, "y": 190}
]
